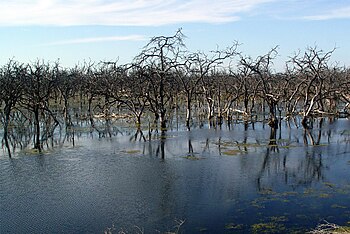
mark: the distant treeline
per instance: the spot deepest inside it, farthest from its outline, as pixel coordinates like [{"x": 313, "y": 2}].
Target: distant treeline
[{"x": 166, "y": 76}]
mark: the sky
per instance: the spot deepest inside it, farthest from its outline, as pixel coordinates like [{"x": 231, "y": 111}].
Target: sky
[{"x": 74, "y": 31}]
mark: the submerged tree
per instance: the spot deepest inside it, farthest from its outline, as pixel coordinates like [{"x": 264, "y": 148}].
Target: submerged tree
[
  {"x": 248, "y": 87},
  {"x": 11, "y": 79},
  {"x": 269, "y": 91},
  {"x": 133, "y": 90},
  {"x": 39, "y": 83},
  {"x": 67, "y": 87},
  {"x": 164, "y": 78},
  {"x": 205, "y": 72},
  {"x": 313, "y": 71},
  {"x": 159, "y": 58}
]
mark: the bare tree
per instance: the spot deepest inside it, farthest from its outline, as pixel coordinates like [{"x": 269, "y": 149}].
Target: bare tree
[
  {"x": 67, "y": 88},
  {"x": 39, "y": 83},
  {"x": 261, "y": 67},
  {"x": 344, "y": 91},
  {"x": 204, "y": 69},
  {"x": 133, "y": 93},
  {"x": 313, "y": 70},
  {"x": 229, "y": 91},
  {"x": 11, "y": 76},
  {"x": 244, "y": 77},
  {"x": 159, "y": 59}
]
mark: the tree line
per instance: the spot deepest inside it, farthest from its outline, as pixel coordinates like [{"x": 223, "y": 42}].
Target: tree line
[{"x": 164, "y": 77}]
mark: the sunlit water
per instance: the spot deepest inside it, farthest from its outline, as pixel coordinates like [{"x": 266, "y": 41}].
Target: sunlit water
[{"x": 217, "y": 181}]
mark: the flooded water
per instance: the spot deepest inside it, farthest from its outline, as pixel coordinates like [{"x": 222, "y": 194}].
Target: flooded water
[{"x": 240, "y": 179}]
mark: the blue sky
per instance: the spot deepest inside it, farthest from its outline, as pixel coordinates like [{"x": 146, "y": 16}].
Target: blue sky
[{"x": 75, "y": 30}]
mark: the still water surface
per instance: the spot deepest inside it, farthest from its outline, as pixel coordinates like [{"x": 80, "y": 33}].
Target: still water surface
[{"x": 218, "y": 181}]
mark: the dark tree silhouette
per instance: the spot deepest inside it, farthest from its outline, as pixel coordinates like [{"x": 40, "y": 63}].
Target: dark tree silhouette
[
  {"x": 159, "y": 58},
  {"x": 11, "y": 76},
  {"x": 39, "y": 83}
]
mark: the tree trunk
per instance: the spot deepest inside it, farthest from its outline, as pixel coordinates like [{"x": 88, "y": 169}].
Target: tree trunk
[
  {"x": 7, "y": 120},
  {"x": 66, "y": 111},
  {"x": 210, "y": 109},
  {"x": 162, "y": 120},
  {"x": 138, "y": 120},
  {"x": 246, "y": 101},
  {"x": 188, "y": 111},
  {"x": 90, "y": 112},
  {"x": 304, "y": 122},
  {"x": 219, "y": 116},
  {"x": 37, "y": 144},
  {"x": 273, "y": 121}
]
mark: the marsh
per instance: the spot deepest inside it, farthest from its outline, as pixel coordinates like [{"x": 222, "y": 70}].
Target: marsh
[{"x": 229, "y": 179}]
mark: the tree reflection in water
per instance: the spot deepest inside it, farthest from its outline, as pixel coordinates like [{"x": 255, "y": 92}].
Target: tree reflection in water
[
  {"x": 277, "y": 157},
  {"x": 192, "y": 174},
  {"x": 299, "y": 167}
]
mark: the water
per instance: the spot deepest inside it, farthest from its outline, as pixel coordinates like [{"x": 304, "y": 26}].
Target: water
[{"x": 217, "y": 181}]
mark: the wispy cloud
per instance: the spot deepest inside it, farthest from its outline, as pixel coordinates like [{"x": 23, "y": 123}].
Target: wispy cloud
[
  {"x": 341, "y": 13},
  {"x": 308, "y": 9},
  {"x": 97, "y": 39},
  {"x": 122, "y": 12}
]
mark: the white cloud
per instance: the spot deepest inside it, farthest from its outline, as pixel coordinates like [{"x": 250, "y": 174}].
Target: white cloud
[
  {"x": 341, "y": 13},
  {"x": 122, "y": 12},
  {"x": 97, "y": 39}
]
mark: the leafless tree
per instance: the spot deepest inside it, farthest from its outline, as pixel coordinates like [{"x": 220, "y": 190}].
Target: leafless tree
[
  {"x": 11, "y": 91},
  {"x": 313, "y": 71},
  {"x": 39, "y": 83},
  {"x": 205, "y": 71},
  {"x": 159, "y": 58},
  {"x": 261, "y": 68}
]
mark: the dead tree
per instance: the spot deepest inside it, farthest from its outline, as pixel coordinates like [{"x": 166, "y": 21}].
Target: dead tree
[
  {"x": 39, "y": 83},
  {"x": 88, "y": 89},
  {"x": 204, "y": 69},
  {"x": 133, "y": 90},
  {"x": 261, "y": 68},
  {"x": 229, "y": 91},
  {"x": 11, "y": 92},
  {"x": 159, "y": 58},
  {"x": 313, "y": 70},
  {"x": 245, "y": 80},
  {"x": 188, "y": 80},
  {"x": 292, "y": 86},
  {"x": 67, "y": 86}
]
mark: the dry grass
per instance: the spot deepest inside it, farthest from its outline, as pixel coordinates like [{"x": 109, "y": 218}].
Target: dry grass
[{"x": 330, "y": 228}]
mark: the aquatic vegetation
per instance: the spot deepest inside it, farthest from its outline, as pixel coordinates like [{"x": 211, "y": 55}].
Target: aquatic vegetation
[
  {"x": 270, "y": 227},
  {"x": 336, "y": 206},
  {"x": 274, "y": 224},
  {"x": 232, "y": 226},
  {"x": 202, "y": 229},
  {"x": 289, "y": 193},
  {"x": 131, "y": 151},
  {"x": 319, "y": 145},
  {"x": 324, "y": 195},
  {"x": 232, "y": 152},
  {"x": 192, "y": 157},
  {"x": 267, "y": 191},
  {"x": 34, "y": 152},
  {"x": 330, "y": 185}
]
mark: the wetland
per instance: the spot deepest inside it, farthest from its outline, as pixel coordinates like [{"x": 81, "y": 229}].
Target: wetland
[{"x": 175, "y": 141}]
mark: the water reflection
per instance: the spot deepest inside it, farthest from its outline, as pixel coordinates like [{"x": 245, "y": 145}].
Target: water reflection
[{"x": 215, "y": 179}]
